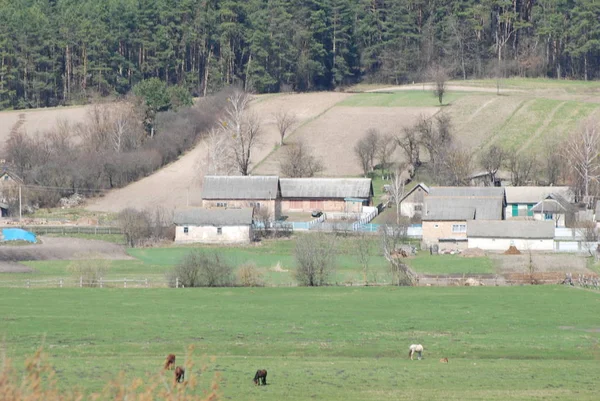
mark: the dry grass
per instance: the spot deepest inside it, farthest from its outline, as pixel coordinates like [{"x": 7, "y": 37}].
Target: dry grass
[{"x": 39, "y": 383}]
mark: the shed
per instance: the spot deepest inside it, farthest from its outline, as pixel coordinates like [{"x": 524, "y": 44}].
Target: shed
[
  {"x": 555, "y": 208},
  {"x": 521, "y": 200},
  {"x": 326, "y": 194},
  {"x": 412, "y": 203},
  {"x": 259, "y": 192},
  {"x": 220, "y": 226},
  {"x": 500, "y": 235}
]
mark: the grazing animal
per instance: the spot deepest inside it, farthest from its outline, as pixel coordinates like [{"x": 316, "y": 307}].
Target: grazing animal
[
  {"x": 418, "y": 348},
  {"x": 260, "y": 377},
  {"x": 179, "y": 374},
  {"x": 444, "y": 360},
  {"x": 170, "y": 362}
]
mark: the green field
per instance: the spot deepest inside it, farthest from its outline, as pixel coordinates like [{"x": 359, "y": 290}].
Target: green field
[
  {"x": 517, "y": 343},
  {"x": 407, "y": 98}
]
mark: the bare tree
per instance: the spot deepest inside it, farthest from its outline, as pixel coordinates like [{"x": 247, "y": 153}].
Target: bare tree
[
  {"x": 363, "y": 252},
  {"x": 583, "y": 157},
  {"x": 491, "y": 160},
  {"x": 521, "y": 168},
  {"x": 410, "y": 143},
  {"x": 554, "y": 163},
  {"x": 201, "y": 268},
  {"x": 588, "y": 231},
  {"x": 436, "y": 137},
  {"x": 284, "y": 119},
  {"x": 243, "y": 128},
  {"x": 372, "y": 139},
  {"x": 136, "y": 226},
  {"x": 219, "y": 158},
  {"x": 439, "y": 76},
  {"x": 362, "y": 152},
  {"x": 298, "y": 161},
  {"x": 385, "y": 149},
  {"x": 316, "y": 258},
  {"x": 391, "y": 238},
  {"x": 398, "y": 179},
  {"x": 458, "y": 166}
]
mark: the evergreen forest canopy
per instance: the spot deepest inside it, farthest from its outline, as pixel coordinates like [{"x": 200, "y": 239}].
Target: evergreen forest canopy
[{"x": 65, "y": 51}]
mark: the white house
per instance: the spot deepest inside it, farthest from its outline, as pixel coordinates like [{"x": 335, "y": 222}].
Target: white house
[
  {"x": 213, "y": 226},
  {"x": 499, "y": 235},
  {"x": 412, "y": 203},
  {"x": 521, "y": 200},
  {"x": 555, "y": 208}
]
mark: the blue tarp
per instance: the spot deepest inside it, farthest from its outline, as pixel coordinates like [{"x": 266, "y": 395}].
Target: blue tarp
[{"x": 17, "y": 234}]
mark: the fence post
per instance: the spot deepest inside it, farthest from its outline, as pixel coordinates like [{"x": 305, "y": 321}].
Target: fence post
[
  {"x": 100, "y": 282},
  {"x": 61, "y": 283},
  {"x": 177, "y": 282},
  {"x": 146, "y": 283},
  {"x": 28, "y": 284},
  {"x": 124, "y": 283},
  {"x": 80, "y": 281},
  {"x": 95, "y": 230}
]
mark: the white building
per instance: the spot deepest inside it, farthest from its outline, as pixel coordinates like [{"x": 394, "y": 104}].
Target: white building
[
  {"x": 521, "y": 200},
  {"x": 213, "y": 226},
  {"x": 499, "y": 235}
]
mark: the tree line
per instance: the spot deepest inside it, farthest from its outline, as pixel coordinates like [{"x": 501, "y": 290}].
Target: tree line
[{"x": 66, "y": 51}]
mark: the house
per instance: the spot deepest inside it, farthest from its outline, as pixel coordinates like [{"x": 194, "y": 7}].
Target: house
[
  {"x": 259, "y": 192},
  {"x": 485, "y": 179},
  {"x": 501, "y": 234},
  {"x": 447, "y": 210},
  {"x": 346, "y": 195},
  {"x": 557, "y": 209},
  {"x": 521, "y": 200},
  {"x": 9, "y": 184},
  {"x": 213, "y": 226},
  {"x": 411, "y": 204}
]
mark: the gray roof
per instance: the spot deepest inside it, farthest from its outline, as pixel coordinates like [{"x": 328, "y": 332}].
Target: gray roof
[
  {"x": 422, "y": 185},
  {"x": 553, "y": 203},
  {"x": 511, "y": 229},
  {"x": 462, "y": 209},
  {"x": 533, "y": 195},
  {"x": 3, "y": 205},
  {"x": 326, "y": 188},
  {"x": 240, "y": 187},
  {"x": 213, "y": 217},
  {"x": 466, "y": 192}
]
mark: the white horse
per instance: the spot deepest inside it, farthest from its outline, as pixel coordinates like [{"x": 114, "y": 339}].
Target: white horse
[{"x": 418, "y": 348}]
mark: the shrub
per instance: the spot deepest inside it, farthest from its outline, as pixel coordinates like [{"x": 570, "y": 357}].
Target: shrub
[
  {"x": 315, "y": 258},
  {"x": 90, "y": 270},
  {"x": 249, "y": 276},
  {"x": 202, "y": 269}
]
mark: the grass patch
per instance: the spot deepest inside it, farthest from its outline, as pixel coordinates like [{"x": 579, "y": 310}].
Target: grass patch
[
  {"x": 450, "y": 264},
  {"x": 114, "y": 238},
  {"x": 503, "y": 343},
  {"x": 72, "y": 214},
  {"x": 407, "y": 98}
]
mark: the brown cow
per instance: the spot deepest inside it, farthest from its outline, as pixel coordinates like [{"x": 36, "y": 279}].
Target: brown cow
[
  {"x": 179, "y": 374},
  {"x": 170, "y": 362},
  {"x": 260, "y": 377}
]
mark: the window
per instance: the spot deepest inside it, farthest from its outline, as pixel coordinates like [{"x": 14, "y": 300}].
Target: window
[
  {"x": 515, "y": 210},
  {"x": 459, "y": 228},
  {"x": 186, "y": 230},
  {"x": 547, "y": 216},
  {"x": 219, "y": 230},
  {"x": 418, "y": 208},
  {"x": 529, "y": 211},
  {"x": 221, "y": 204}
]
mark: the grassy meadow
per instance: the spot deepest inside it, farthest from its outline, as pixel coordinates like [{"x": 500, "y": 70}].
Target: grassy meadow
[{"x": 517, "y": 343}]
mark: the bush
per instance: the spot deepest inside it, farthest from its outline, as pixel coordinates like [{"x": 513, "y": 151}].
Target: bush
[
  {"x": 249, "y": 276},
  {"x": 90, "y": 271},
  {"x": 316, "y": 258},
  {"x": 202, "y": 269}
]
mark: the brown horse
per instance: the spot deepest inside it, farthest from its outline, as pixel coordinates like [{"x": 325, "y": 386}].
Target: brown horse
[
  {"x": 170, "y": 362},
  {"x": 260, "y": 377},
  {"x": 179, "y": 374},
  {"x": 444, "y": 360}
]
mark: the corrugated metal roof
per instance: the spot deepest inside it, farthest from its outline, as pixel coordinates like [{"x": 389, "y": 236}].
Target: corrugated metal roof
[
  {"x": 510, "y": 229},
  {"x": 462, "y": 209},
  {"x": 3, "y": 205},
  {"x": 240, "y": 187},
  {"x": 531, "y": 195},
  {"x": 466, "y": 192},
  {"x": 421, "y": 185},
  {"x": 213, "y": 217},
  {"x": 326, "y": 188}
]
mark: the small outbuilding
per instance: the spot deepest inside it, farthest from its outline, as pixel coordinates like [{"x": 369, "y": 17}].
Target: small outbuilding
[
  {"x": 499, "y": 235},
  {"x": 412, "y": 203},
  {"x": 213, "y": 226}
]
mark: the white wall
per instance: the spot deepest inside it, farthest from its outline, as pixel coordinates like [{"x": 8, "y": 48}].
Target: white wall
[
  {"x": 502, "y": 244},
  {"x": 208, "y": 234}
]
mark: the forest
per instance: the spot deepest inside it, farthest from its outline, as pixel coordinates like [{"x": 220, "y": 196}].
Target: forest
[{"x": 58, "y": 52}]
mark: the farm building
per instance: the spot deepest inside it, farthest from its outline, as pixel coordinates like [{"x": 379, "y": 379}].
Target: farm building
[
  {"x": 486, "y": 179},
  {"x": 3, "y": 209},
  {"x": 259, "y": 192},
  {"x": 346, "y": 195},
  {"x": 9, "y": 184},
  {"x": 521, "y": 200},
  {"x": 555, "y": 208},
  {"x": 500, "y": 235},
  {"x": 447, "y": 210},
  {"x": 213, "y": 226},
  {"x": 412, "y": 203}
]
